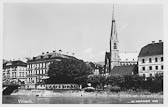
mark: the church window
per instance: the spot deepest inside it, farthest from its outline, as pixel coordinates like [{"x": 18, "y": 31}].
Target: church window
[{"x": 115, "y": 46}]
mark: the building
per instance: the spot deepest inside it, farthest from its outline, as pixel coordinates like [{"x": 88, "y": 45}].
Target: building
[
  {"x": 38, "y": 66},
  {"x": 128, "y": 58},
  {"x": 112, "y": 58},
  {"x": 14, "y": 71},
  {"x": 97, "y": 68},
  {"x": 124, "y": 70},
  {"x": 150, "y": 59}
]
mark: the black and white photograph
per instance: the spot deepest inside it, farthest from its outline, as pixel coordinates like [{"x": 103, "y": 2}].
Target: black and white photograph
[{"x": 82, "y": 53}]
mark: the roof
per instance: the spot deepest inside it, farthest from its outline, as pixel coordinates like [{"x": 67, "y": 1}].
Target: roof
[
  {"x": 128, "y": 56},
  {"x": 4, "y": 61},
  {"x": 15, "y": 63},
  {"x": 52, "y": 55},
  {"x": 152, "y": 49},
  {"x": 124, "y": 70}
]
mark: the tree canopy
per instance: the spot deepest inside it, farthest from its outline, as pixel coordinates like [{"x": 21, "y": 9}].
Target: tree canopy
[{"x": 68, "y": 71}]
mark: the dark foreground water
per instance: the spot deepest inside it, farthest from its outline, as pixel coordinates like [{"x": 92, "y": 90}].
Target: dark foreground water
[{"x": 18, "y": 99}]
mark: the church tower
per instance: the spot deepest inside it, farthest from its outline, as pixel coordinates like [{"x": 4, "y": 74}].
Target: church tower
[{"x": 114, "y": 51}]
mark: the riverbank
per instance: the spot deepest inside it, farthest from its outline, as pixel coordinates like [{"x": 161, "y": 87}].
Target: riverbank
[{"x": 73, "y": 93}]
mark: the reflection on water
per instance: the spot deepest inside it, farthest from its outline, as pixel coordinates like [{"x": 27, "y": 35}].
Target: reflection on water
[{"x": 16, "y": 99}]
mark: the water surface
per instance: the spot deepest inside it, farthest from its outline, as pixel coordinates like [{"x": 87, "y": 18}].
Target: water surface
[{"x": 17, "y": 99}]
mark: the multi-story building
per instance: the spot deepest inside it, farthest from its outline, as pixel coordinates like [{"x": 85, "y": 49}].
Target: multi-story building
[
  {"x": 14, "y": 71},
  {"x": 150, "y": 59},
  {"x": 38, "y": 66}
]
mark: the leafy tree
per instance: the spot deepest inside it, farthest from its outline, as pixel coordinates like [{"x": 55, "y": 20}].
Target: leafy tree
[
  {"x": 114, "y": 80},
  {"x": 94, "y": 80},
  {"x": 97, "y": 80},
  {"x": 68, "y": 71}
]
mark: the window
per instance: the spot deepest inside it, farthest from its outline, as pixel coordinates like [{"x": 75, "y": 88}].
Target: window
[
  {"x": 150, "y": 60},
  {"x": 150, "y": 75},
  {"x": 143, "y": 60},
  {"x": 143, "y": 68},
  {"x": 156, "y": 59},
  {"x": 162, "y": 67},
  {"x": 161, "y": 59},
  {"x": 150, "y": 67},
  {"x": 156, "y": 67},
  {"x": 115, "y": 46}
]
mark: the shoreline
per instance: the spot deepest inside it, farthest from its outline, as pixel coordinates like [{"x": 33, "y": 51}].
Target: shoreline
[{"x": 75, "y": 93}]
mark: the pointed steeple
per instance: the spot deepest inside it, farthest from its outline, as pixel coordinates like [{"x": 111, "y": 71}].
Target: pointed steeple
[{"x": 114, "y": 44}]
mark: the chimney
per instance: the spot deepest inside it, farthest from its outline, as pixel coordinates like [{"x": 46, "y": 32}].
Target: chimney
[
  {"x": 34, "y": 58},
  {"x": 153, "y": 42},
  {"x": 160, "y": 41},
  {"x": 41, "y": 57}
]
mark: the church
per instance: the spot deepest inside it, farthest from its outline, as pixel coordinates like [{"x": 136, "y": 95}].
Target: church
[{"x": 113, "y": 63}]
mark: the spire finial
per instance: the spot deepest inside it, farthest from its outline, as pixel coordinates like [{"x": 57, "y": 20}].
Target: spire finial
[{"x": 113, "y": 13}]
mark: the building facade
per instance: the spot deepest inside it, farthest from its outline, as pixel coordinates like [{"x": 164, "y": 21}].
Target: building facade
[
  {"x": 150, "y": 59},
  {"x": 14, "y": 72},
  {"x": 38, "y": 66}
]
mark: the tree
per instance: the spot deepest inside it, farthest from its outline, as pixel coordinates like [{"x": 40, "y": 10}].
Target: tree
[
  {"x": 94, "y": 80},
  {"x": 68, "y": 71}
]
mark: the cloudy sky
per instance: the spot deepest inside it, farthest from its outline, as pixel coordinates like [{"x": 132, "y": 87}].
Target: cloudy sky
[{"x": 83, "y": 29}]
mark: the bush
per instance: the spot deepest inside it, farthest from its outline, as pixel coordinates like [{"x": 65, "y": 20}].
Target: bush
[
  {"x": 136, "y": 83},
  {"x": 115, "y": 89}
]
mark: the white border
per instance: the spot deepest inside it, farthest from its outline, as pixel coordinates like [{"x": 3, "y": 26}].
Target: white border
[{"x": 164, "y": 2}]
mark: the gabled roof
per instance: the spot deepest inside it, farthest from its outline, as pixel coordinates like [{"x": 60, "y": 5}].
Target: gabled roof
[
  {"x": 124, "y": 70},
  {"x": 152, "y": 49}
]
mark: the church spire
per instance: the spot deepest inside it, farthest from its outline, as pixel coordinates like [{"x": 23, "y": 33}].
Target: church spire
[{"x": 114, "y": 52}]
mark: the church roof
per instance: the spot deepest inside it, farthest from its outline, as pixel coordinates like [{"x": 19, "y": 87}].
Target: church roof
[
  {"x": 124, "y": 70},
  {"x": 152, "y": 49}
]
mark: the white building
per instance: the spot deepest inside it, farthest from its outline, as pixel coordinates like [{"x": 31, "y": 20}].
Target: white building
[
  {"x": 14, "y": 71},
  {"x": 38, "y": 66},
  {"x": 150, "y": 59}
]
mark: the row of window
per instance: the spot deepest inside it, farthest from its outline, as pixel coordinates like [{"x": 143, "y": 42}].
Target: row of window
[
  {"x": 36, "y": 68},
  {"x": 150, "y": 60},
  {"x": 38, "y": 72},
  {"x": 31, "y": 80},
  {"x": 40, "y": 65},
  {"x": 152, "y": 68},
  {"x": 150, "y": 75},
  {"x": 13, "y": 74},
  {"x": 16, "y": 69},
  {"x": 21, "y": 74}
]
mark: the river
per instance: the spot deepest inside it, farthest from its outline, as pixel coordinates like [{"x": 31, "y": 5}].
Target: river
[{"x": 22, "y": 99}]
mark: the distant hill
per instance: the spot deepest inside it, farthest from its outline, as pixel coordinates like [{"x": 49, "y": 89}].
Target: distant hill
[{"x": 100, "y": 62}]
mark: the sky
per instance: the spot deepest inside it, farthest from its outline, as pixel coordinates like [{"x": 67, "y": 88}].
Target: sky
[{"x": 84, "y": 29}]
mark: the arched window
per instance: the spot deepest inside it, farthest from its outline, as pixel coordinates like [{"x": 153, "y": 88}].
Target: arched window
[{"x": 115, "y": 46}]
